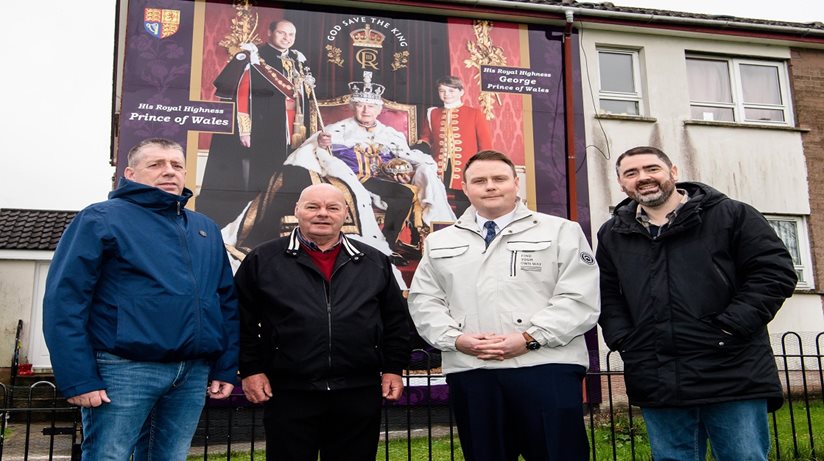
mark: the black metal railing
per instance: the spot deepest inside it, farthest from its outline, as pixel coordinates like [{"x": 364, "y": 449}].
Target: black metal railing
[{"x": 36, "y": 423}]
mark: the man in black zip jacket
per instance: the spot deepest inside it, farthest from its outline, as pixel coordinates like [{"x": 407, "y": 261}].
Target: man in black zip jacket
[
  {"x": 689, "y": 280},
  {"x": 324, "y": 335}
]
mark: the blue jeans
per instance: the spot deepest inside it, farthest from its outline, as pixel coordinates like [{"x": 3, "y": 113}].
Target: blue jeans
[
  {"x": 154, "y": 410},
  {"x": 737, "y": 431}
]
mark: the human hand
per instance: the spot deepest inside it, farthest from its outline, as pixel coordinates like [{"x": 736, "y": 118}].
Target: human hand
[
  {"x": 246, "y": 140},
  {"x": 510, "y": 345},
  {"x": 485, "y": 346},
  {"x": 256, "y": 388},
  {"x": 391, "y": 386},
  {"x": 220, "y": 389},
  {"x": 90, "y": 399},
  {"x": 403, "y": 178},
  {"x": 324, "y": 140}
]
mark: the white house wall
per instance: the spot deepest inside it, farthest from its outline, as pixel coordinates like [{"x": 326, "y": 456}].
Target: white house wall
[
  {"x": 761, "y": 166},
  {"x": 17, "y": 291},
  {"x": 749, "y": 164}
]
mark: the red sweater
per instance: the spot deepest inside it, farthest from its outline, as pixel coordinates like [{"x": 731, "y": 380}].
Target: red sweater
[{"x": 325, "y": 260}]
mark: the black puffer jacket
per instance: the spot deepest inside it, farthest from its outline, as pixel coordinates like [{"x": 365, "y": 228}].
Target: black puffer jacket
[
  {"x": 307, "y": 333},
  {"x": 668, "y": 302}
]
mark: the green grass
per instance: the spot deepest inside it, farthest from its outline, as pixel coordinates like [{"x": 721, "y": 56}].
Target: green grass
[
  {"x": 625, "y": 437},
  {"x": 802, "y": 431}
]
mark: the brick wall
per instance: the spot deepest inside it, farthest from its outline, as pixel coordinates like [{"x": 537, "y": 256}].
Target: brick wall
[{"x": 807, "y": 78}]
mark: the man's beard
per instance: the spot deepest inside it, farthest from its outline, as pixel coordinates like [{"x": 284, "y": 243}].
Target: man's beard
[{"x": 665, "y": 190}]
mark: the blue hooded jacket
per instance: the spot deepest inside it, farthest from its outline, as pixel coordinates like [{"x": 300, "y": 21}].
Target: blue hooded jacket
[{"x": 141, "y": 277}]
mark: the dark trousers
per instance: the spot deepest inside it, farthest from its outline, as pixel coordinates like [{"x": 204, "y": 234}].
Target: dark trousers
[
  {"x": 341, "y": 425},
  {"x": 536, "y": 412},
  {"x": 398, "y": 200}
]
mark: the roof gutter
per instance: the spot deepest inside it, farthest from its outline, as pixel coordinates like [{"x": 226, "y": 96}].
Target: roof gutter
[{"x": 639, "y": 17}]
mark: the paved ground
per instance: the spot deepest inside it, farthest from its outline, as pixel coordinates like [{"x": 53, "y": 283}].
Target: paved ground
[
  {"x": 217, "y": 427},
  {"x": 39, "y": 445},
  {"x": 60, "y": 446}
]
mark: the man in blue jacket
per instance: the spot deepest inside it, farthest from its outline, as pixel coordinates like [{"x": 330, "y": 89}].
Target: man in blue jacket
[{"x": 140, "y": 313}]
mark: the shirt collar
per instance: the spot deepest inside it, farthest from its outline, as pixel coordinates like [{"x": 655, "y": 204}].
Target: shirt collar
[
  {"x": 500, "y": 221},
  {"x": 641, "y": 215},
  {"x": 453, "y": 105},
  {"x": 314, "y": 246}
]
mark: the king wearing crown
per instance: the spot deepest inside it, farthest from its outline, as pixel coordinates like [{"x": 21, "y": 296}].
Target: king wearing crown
[{"x": 375, "y": 163}]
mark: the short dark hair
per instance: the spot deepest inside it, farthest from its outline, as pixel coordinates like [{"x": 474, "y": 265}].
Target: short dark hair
[
  {"x": 490, "y": 156},
  {"x": 274, "y": 24},
  {"x": 136, "y": 151},
  {"x": 450, "y": 81},
  {"x": 643, "y": 150}
]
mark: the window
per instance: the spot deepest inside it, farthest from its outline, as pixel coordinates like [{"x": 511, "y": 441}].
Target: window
[
  {"x": 738, "y": 90},
  {"x": 793, "y": 232},
  {"x": 620, "y": 91}
]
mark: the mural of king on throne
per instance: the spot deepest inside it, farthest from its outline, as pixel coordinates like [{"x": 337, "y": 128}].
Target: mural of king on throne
[{"x": 382, "y": 102}]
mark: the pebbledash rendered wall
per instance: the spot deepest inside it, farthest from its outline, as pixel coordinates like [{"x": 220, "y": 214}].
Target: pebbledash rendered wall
[{"x": 777, "y": 169}]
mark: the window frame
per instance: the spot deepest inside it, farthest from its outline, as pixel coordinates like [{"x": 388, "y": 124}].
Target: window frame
[
  {"x": 806, "y": 279},
  {"x": 637, "y": 96},
  {"x": 738, "y": 105}
]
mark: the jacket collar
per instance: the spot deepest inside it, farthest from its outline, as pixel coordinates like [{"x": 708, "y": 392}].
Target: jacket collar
[
  {"x": 293, "y": 248},
  {"x": 701, "y": 196},
  {"x": 150, "y": 197},
  {"x": 468, "y": 220}
]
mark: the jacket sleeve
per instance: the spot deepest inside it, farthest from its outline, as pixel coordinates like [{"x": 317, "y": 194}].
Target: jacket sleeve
[
  {"x": 765, "y": 275},
  {"x": 73, "y": 275},
  {"x": 395, "y": 317},
  {"x": 615, "y": 320},
  {"x": 253, "y": 359},
  {"x": 225, "y": 368},
  {"x": 429, "y": 309},
  {"x": 574, "y": 306}
]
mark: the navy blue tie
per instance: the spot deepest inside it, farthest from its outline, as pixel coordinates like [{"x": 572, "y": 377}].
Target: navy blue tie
[{"x": 490, "y": 232}]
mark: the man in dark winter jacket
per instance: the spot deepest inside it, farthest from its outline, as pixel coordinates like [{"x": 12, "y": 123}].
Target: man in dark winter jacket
[
  {"x": 324, "y": 335},
  {"x": 689, "y": 280},
  {"x": 140, "y": 313}
]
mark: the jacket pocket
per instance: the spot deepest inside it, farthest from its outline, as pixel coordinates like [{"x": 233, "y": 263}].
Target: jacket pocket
[
  {"x": 515, "y": 321},
  {"x": 527, "y": 256},
  {"x": 157, "y": 328},
  {"x": 528, "y": 245},
  {"x": 449, "y": 252},
  {"x": 212, "y": 334}
]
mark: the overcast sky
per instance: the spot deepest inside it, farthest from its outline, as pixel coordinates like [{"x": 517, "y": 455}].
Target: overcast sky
[{"x": 784, "y": 10}]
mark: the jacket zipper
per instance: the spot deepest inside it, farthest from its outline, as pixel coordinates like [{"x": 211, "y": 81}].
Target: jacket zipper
[
  {"x": 188, "y": 262},
  {"x": 513, "y": 259},
  {"x": 327, "y": 291}
]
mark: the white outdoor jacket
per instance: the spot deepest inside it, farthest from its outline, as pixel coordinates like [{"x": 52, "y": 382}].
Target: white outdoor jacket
[{"x": 538, "y": 275}]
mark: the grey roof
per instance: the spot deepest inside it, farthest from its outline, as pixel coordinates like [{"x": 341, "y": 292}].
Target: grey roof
[
  {"x": 32, "y": 229},
  {"x": 609, "y": 6},
  {"x": 662, "y": 16}
]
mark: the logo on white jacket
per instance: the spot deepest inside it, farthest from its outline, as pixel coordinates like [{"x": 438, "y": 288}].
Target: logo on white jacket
[{"x": 530, "y": 264}]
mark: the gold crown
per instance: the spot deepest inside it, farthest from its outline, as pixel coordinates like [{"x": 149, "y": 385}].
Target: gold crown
[
  {"x": 366, "y": 91},
  {"x": 367, "y": 37}
]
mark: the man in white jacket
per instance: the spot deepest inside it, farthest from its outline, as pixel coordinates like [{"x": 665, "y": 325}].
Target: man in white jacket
[{"x": 507, "y": 294}]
